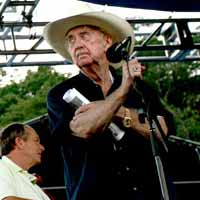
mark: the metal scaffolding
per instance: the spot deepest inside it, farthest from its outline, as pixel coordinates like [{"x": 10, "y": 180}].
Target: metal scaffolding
[{"x": 22, "y": 44}]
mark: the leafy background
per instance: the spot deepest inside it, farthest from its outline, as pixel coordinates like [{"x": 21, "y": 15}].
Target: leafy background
[{"x": 178, "y": 84}]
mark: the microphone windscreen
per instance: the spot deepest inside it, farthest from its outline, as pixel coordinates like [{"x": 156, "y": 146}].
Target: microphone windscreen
[{"x": 113, "y": 55}]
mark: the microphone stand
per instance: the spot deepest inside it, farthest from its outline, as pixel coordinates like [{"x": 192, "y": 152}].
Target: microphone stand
[
  {"x": 154, "y": 147},
  {"x": 122, "y": 53},
  {"x": 152, "y": 120}
]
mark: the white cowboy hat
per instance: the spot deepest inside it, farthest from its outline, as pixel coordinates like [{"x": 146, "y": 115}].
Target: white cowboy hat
[{"x": 54, "y": 32}]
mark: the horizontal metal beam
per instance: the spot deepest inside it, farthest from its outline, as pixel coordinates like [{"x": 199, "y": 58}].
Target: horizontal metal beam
[
  {"x": 53, "y": 63},
  {"x": 39, "y": 63},
  {"x": 165, "y": 47},
  {"x": 20, "y": 37},
  {"x": 136, "y": 48},
  {"x": 183, "y": 54},
  {"x": 138, "y": 21},
  {"x": 22, "y": 24},
  {"x": 21, "y": 3},
  {"x": 168, "y": 20},
  {"x": 19, "y": 52},
  {"x": 184, "y": 140}
]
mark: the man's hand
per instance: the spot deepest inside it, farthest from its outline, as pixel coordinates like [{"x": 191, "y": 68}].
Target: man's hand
[
  {"x": 94, "y": 117},
  {"x": 130, "y": 71},
  {"x": 91, "y": 119}
]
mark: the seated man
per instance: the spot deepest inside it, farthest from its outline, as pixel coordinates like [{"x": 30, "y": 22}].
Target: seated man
[{"x": 21, "y": 149}]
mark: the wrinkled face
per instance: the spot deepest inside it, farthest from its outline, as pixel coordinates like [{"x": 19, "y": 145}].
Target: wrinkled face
[
  {"x": 87, "y": 45},
  {"x": 31, "y": 147}
]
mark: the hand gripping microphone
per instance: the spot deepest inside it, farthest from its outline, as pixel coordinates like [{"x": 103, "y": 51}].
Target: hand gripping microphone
[{"x": 119, "y": 51}]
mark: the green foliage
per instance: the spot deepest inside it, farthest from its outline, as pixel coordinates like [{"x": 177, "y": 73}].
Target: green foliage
[
  {"x": 179, "y": 86},
  {"x": 188, "y": 125},
  {"x": 27, "y": 100},
  {"x": 2, "y": 72},
  {"x": 177, "y": 83},
  {"x": 152, "y": 42}
]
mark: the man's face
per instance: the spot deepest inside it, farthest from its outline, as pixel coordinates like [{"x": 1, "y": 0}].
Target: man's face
[
  {"x": 87, "y": 45},
  {"x": 31, "y": 147}
]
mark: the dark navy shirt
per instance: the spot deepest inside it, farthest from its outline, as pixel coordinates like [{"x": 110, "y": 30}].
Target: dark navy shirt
[{"x": 103, "y": 168}]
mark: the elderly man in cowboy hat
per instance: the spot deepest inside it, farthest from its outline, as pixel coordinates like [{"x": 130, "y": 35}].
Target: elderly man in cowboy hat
[{"x": 97, "y": 163}]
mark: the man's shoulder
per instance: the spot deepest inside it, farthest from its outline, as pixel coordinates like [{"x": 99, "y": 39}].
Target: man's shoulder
[
  {"x": 4, "y": 168},
  {"x": 61, "y": 87},
  {"x": 77, "y": 81}
]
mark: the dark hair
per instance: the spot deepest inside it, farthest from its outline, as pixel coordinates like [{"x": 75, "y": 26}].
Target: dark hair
[{"x": 8, "y": 136}]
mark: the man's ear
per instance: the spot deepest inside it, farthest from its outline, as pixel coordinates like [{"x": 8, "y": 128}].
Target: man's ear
[
  {"x": 107, "y": 41},
  {"x": 19, "y": 142}
]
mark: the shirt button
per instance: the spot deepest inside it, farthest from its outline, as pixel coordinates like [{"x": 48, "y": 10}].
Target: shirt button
[
  {"x": 127, "y": 168},
  {"x": 135, "y": 189},
  {"x": 119, "y": 173}
]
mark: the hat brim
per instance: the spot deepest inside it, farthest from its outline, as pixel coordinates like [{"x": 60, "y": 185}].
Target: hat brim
[{"x": 54, "y": 32}]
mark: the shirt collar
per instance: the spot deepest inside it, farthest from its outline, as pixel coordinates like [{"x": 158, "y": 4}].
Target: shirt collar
[
  {"x": 9, "y": 162},
  {"x": 110, "y": 74},
  {"x": 17, "y": 169}
]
